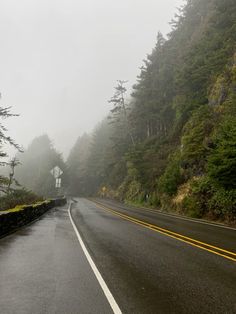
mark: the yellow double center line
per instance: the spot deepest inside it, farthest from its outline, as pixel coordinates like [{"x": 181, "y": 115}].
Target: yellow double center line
[{"x": 201, "y": 245}]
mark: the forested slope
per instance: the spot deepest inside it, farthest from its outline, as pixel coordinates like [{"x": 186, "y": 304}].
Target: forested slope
[{"x": 173, "y": 144}]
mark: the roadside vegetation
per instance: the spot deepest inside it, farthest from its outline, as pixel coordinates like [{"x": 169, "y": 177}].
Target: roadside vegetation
[
  {"x": 10, "y": 197},
  {"x": 172, "y": 144},
  {"x": 17, "y": 198},
  {"x": 27, "y": 172}
]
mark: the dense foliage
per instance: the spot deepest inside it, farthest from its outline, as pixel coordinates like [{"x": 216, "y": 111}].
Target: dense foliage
[
  {"x": 174, "y": 143},
  {"x": 18, "y": 197}
]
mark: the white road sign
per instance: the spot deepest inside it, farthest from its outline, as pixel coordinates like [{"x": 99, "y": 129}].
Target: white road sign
[
  {"x": 58, "y": 182},
  {"x": 56, "y": 172}
]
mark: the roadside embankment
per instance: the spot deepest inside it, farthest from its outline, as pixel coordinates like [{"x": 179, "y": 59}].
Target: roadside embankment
[{"x": 19, "y": 216}]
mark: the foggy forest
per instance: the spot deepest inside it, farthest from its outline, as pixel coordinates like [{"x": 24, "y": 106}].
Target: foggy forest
[
  {"x": 146, "y": 160},
  {"x": 171, "y": 142}
]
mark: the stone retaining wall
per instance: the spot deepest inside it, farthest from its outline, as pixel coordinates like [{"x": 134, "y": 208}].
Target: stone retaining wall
[{"x": 12, "y": 220}]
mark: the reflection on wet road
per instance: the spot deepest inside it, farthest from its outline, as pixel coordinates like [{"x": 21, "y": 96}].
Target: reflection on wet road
[
  {"x": 150, "y": 272},
  {"x": 43, "y": 270}
]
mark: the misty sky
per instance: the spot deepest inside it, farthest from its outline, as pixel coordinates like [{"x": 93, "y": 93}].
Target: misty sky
[{"x": 60, "y": 60}]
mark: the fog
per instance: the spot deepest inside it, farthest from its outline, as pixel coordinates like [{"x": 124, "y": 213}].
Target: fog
[{"x": 60, "y": 60}]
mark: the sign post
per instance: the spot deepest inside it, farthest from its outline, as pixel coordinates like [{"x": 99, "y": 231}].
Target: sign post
[{"x": 57, "y": 172}]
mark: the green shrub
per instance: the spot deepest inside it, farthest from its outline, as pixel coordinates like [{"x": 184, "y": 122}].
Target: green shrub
[
  {"x": 154, "y": 200},
  {"x": 168, "y": 183},
  {"x": 197, "y": 133},
  {"x": 221, "y": 165},
  {"x": 208, "y": 199},
  {"x": 192, "y": 206},
  {"x": 135, "y": 192},
  {"x": 18, "y": 197},
  {"x": 223, "y": 203}
]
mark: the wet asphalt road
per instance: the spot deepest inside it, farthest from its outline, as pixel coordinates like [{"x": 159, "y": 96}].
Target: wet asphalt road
[
  {"x": 148, "y": 272},
  {"x": 214, "y": 234},
  {"x": 43, "y": 268}
]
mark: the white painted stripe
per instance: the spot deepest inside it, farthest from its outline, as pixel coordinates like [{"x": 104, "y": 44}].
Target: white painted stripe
[
  {"x": 158, "y": 212},
  {"x": 101, "y": 281},
  {"x": 198, "y": 221}
]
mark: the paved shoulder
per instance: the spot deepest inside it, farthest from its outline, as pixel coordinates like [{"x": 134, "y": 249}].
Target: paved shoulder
[{"x": 44, "y": 270}]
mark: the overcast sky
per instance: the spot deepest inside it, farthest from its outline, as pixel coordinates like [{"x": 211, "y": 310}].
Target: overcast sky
[{"x": 60, "y": 60}]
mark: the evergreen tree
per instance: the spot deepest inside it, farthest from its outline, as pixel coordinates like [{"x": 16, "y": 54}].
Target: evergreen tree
[
  {"x": 5, "y": 139},
  {"x": 36, "y": 162},
  {"x": 222, "y": 160},
  {"x": 76, "y": 164}
]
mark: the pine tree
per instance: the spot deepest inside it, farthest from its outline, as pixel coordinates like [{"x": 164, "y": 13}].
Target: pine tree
[{"x": 5, "y": 139}]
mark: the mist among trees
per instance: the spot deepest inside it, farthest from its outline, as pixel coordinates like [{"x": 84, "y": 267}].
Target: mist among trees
[{"x": 172, "y": 142}]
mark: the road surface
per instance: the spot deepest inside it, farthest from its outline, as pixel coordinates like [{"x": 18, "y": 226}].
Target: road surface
[
  {"x": 150, "y": 262},
  {"x": 43, "y": 270}
]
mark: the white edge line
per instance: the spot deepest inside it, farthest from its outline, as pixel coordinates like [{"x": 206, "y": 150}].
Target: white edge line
[
  {"x": 158, "y": 212},
  {"x": 188, "y": 219},
  {"x": 101, "y": 281}
]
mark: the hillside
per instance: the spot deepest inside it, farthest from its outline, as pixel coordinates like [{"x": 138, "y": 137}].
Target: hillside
[{"x": 173, "y": 144}]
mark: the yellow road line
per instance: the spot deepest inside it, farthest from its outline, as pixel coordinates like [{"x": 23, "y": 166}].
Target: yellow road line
[
  {"x": 194, "y": 220},
  {"x": 171, "y": 232},
  {"x": 180, "y": 237}
]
